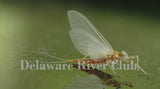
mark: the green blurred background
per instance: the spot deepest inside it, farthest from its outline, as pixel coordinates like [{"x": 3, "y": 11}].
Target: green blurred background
[{"x": 27, "y": 27}]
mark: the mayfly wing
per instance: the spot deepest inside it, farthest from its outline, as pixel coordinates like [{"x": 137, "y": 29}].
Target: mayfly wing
[
  {"x": 81, "y": 26},
  {"x": 87, "y": 44},
  {"x": 89, "y": 82}
]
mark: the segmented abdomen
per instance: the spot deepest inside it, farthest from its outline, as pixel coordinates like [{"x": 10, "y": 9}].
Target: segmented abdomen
[{"x": 89, "y": 61}]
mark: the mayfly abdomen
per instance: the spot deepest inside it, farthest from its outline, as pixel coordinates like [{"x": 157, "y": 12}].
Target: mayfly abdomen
[{"x": 89, "y": 61}]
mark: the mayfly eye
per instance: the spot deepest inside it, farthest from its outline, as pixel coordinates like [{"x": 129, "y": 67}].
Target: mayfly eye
[{"x": 125, "y": 53}]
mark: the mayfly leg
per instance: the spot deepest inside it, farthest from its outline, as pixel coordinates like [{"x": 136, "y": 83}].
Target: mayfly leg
[
  {"x": 111, "y": 68},
  {"x": 85, "y": 57},
  {"x": 137, "y": 66},
  {"x": 132, "y": 57},
  {"x": 137, "y": 57}
]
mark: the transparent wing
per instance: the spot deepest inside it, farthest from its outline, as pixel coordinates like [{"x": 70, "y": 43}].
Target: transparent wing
[
  {"x": 87, "y": 44},
  {"x": 79, "y": 21},
  {"x": 89, "y": 82}
]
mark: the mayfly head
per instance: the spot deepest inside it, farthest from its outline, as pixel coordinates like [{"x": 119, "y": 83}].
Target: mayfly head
[{"x": 125, "y": 54}]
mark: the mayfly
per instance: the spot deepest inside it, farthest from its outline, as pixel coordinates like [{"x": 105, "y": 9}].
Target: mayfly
[
  {"x": 90, "y": 43},
  {"x": 96, "y": 80}
]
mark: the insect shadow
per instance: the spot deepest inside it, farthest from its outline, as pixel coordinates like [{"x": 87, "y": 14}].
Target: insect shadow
[{"x": 96, "y": 79}]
